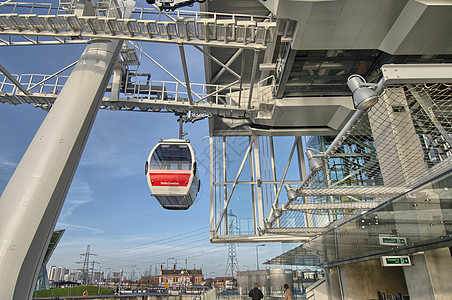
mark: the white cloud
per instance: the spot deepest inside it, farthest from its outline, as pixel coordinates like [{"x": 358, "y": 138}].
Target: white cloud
[
  {"x": 6, "y": 162},
  {"x": 6, "y": 166},
  {"x": 79, "y": 195},
  {"x": 84, "y": 228}
]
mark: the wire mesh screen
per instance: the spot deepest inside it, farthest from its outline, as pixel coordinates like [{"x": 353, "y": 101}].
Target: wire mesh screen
[
  {"x": 407, "y": 132},
  {"x": 398, "y": 139}
]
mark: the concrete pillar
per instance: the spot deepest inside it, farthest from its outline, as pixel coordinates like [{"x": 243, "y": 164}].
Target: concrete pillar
[
  {"x": 430, "y": 276},
  {"x": 399, "y": 153},
  {"x": 333, "y": 283},
  {"x": 364, "y": 280}
]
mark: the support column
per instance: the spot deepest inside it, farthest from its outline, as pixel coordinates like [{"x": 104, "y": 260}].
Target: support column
[
  {"x": 430, "y": 275},
  {"x": 399, "y": 153},
  {"x": 333, "y": 283},
  {"x": 32, "y": 200}
]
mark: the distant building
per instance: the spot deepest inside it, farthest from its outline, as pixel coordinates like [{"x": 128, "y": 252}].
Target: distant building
[
  {"x": 180, "y": 276},
  {"x": 224, "y": 282},
  {"x": 98, "y": 276},
  {"x": 116, "y": 276},
  {"x": 52, "y": 272}
]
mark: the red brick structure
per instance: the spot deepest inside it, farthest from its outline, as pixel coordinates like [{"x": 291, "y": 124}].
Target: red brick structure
[
  {"x": 223, "y": 282},
  {"x": 180, "y": 276}
]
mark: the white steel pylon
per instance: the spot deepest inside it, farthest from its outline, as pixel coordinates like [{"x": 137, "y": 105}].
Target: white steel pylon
[{"x": 32, "y": 200}]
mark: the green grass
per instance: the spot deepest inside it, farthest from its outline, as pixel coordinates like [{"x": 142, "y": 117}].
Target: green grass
[{"x": 73, "y": 291}]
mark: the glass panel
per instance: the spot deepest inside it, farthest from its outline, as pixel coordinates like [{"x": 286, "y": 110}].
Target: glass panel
[
  {"x": 171, "y": 157},
  {"x": 418, "y": 220}
]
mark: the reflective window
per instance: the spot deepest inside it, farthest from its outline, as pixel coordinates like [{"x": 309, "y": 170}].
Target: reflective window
[{"x": 171, "y": 157}]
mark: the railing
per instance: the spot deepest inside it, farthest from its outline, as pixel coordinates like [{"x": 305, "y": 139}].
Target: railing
[
  {"x": 310, "y": 290},
  {"x": 145, "y": 24},
  {"x": 145, "y": 94}
]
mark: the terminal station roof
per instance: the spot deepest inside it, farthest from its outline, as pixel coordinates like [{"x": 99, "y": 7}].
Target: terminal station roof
[
  {"x": 323, "y": 70},
  {"x": 54, "y": 240}
]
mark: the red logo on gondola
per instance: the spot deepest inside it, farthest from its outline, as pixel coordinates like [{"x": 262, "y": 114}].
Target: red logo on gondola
[{"x": 181, "y": 178}]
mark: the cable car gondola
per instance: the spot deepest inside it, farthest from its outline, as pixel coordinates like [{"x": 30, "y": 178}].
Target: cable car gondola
[{"x": 171, "y": 174}]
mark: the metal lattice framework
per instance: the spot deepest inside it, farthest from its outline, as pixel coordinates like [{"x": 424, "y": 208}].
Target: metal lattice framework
[
  {"x": 26, "y": 23},
  {"x": 395, "y": 142},
  {"x": 69, "y": 22},
  {"x": 139, "y": 94}
]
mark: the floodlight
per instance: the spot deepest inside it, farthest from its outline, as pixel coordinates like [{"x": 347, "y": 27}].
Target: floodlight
[
  {"x": 363, "y": 96},
  {"x": 291, "y": 192},
  {"x": 315, "y": 162},
  {"x": 277, "y": 212},
  {"x": 267, "y": 224}
]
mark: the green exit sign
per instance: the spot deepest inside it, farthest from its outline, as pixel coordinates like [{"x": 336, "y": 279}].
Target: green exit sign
[
  {"x": 395, "y": 261},
  {"x": 392, "y": 240}
]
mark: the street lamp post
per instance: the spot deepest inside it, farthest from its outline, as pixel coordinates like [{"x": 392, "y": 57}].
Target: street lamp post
[
  {"x": 257, "y": 255},
  {"x": 132, "y": 273},
  {"x": 167, "y": 261},
  {"x": 139, "y": 274}
]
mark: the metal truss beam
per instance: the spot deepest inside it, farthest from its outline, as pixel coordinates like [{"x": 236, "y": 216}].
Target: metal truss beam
[
  {"x": 327, "y": 206},
  {"x": 364, "y": 191},
  {"x": 274, "y": 238},
  {"x": 194, "y": 31},
  {"x": 14, "y": 80},
  {"x": 308, "y": 231},
  {"x": 36, "y": 41},
  {"x": 143, "y": 105}
]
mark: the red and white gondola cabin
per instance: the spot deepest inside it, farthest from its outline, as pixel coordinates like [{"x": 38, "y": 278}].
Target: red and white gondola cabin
[{"x": 171, "y": 174}]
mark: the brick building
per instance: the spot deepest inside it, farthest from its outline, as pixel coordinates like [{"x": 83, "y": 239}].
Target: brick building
[{"x": 180, "y": 276}]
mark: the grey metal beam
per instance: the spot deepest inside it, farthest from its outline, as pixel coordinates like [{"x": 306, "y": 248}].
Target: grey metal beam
[
  {"x": 257, "y": 168},
  {"x": 416, "y": 73},
  {"x": 225, "y": 208},
  {"x": 273, "y": 238},
  {"x": 242, "y": 71},
  {"x": 284, "y": 77},
  {"x": 53, "y": 75},
  {"x": 227, "y": 64},
  {"x": 211, "y": 192},
  {"x": 365, "y": 191},
  {"x": 14, "y": 80},
  {"x": 328, "y": 206},
  {"x": 218, "y": 62},
  {"x": 184, "y": 67},
  {"x": 253, "y": 77},
  {"x": 308, "y": 231}
]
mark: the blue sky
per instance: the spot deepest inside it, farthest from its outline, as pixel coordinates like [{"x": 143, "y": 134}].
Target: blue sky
[{"x": 109, "y": 206}]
